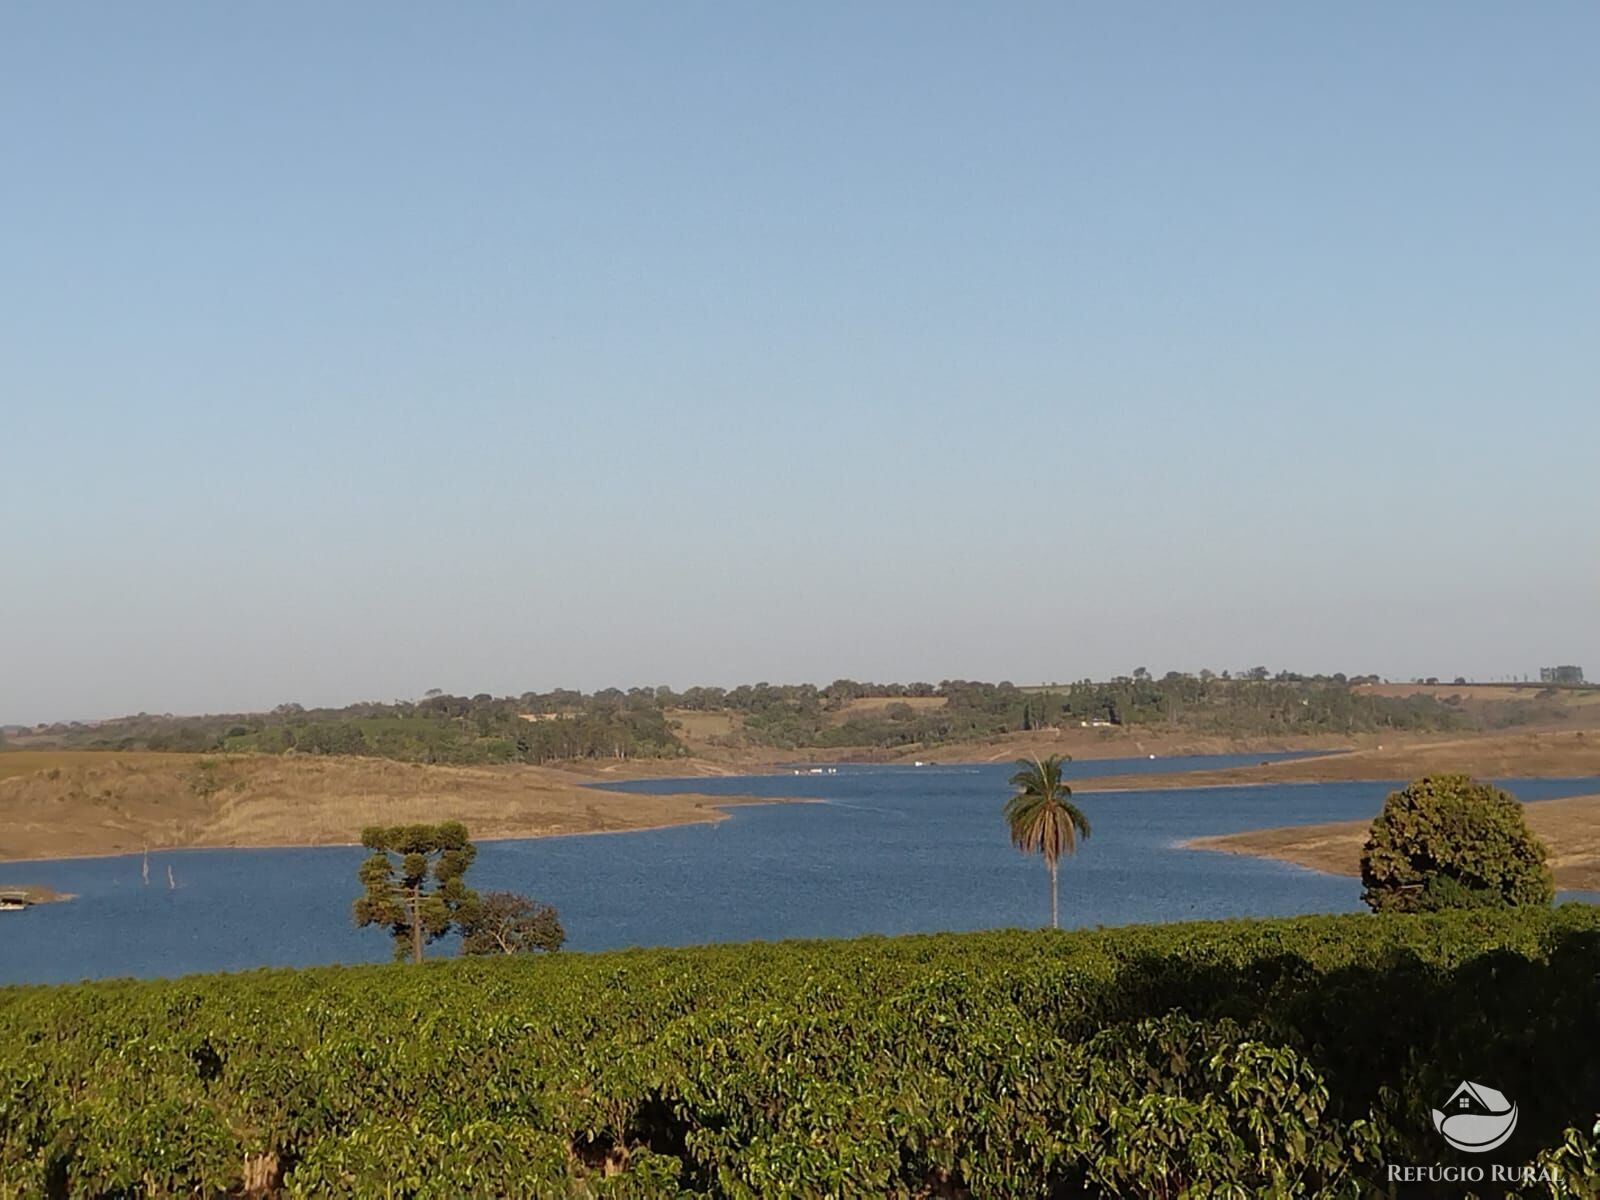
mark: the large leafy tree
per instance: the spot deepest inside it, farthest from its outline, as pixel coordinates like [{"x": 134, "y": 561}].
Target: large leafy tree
[
  {"x": 509, "y": 923},
  {"x": 1042, "y": 818},
  {"x": 1447, "y": 841},
  {"x": 414, "y": 883}
]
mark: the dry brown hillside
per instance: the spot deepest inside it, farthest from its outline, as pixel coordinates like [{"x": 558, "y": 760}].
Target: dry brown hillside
[
  {"x": 1549, "y": 755},
  {"x": 70, "y": 803}
]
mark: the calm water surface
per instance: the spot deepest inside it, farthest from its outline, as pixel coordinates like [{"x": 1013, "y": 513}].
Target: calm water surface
[{"x": 886, "y": 850}]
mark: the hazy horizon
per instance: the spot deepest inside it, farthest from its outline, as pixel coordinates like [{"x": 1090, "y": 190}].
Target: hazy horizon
[{"x": 348, "y": 352}]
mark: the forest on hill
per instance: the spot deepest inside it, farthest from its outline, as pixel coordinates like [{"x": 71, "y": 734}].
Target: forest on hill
[{"x": 539, "y": 727}]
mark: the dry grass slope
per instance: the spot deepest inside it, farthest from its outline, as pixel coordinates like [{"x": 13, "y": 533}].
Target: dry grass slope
[
  {"x": 699, "y": 728},
  {"x": 88, "y": 802},
  {"x": 1482, "y": 692},
  {"x": 30, "y": 762},
  {"x": 867, "y": 706},
  {"x": 1552, "y": 755}
]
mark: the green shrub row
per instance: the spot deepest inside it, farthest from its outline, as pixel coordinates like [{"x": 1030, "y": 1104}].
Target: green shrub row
[{"x": 1244, "y": 1058}]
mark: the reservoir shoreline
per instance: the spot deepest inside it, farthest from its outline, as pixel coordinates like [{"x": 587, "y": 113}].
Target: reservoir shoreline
[{"x": 108, "y": 805}]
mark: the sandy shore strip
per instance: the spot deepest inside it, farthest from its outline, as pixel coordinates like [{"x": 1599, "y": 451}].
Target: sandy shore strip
[
  {"x": 1569, "y": 828},
  {"x": 1553, "y": 755}
]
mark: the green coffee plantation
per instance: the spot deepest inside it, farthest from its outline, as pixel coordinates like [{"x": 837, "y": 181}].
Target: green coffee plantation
[{"x": 1248, "y": 1058}]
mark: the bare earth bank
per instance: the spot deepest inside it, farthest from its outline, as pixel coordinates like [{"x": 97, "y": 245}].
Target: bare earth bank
[
  {"x": 1570, "y": 828},
  {"x": 1546, "y": 755},
  {"x": 97, "y": 803}
]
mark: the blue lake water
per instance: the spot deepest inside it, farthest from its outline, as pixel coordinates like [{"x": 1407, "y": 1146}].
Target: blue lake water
[{"x": 885, "y": 850}]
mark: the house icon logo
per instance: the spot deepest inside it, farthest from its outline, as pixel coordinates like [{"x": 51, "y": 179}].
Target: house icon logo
[{"x": 1476, "y": 1118}]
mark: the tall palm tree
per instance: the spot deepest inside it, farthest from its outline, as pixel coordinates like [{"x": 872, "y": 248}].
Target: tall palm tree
[{"x": 1042, "y": 817}]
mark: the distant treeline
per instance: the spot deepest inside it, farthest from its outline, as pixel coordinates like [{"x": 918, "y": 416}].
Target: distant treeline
[{"x": 539, "y": 727}]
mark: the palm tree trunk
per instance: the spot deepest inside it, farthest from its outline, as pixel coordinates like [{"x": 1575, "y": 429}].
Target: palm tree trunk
[{"x": 1053, "y": 923}]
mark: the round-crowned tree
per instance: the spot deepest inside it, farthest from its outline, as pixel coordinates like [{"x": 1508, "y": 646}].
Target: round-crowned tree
[{"x": 1447, "y": 841}]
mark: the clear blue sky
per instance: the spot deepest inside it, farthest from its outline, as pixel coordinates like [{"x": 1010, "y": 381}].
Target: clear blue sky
[{"x": 348, "y": 350}]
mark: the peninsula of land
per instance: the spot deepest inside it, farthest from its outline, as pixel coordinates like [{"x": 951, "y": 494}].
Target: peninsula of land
[
  {"x": 1553, "y": 754},
  {"x": 1569, "y": 828},
  {"x": 79, "y": 804}
]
